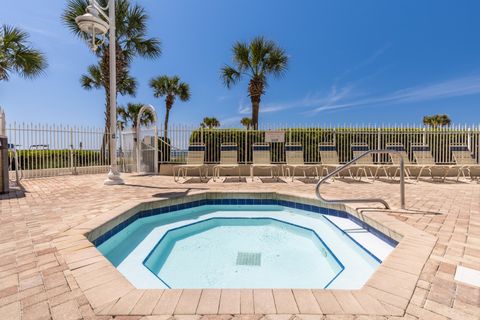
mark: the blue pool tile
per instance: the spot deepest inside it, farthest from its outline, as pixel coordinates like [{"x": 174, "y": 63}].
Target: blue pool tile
[{"x": 238, "y": 201}]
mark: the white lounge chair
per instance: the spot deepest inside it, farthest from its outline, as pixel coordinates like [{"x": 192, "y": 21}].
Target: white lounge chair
[
  {"x": 295, "y": 161},
  {"x": 424, "y": 159},
  {"x": 465, "y": 162},
  {"x": 195, "y": 161},
  {"x": 329, "y": 158},
  {"x": 395, "y": 159},
  {"x": 228, "y": 160},
  {"x": 366, "y": 163},
  {"x": 262, "y": 160}
]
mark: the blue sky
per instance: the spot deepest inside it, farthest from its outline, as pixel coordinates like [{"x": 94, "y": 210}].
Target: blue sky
[{"x": 360, "y": 62}]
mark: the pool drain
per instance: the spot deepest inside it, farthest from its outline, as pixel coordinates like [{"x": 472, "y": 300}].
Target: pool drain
[{"x": 249, "y": 259}]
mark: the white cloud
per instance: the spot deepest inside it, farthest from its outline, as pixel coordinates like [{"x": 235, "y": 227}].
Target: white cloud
[{"x": 463, "y": 86}]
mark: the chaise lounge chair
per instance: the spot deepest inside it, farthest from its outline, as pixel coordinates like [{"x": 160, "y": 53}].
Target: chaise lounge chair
[
  {"x": 329, "y": 159},
  {"x": 424, "y": 159},
  {"x": 195, "y": 161},
  {"x": 228, "y": 160},
  {"x": 261, "y": 160},
  {"x": 465, "y": 162},
  {"x": 395, "y": 159},
  {"x": 294, "y": 157},
  {"x": 366, "y": 163}
]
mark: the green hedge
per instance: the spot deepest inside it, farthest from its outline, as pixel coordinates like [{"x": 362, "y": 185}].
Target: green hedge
[{"x": 49, "y": 159}]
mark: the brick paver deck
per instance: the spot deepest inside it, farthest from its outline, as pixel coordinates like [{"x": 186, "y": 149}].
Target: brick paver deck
[{"x": 43, "y": 259}]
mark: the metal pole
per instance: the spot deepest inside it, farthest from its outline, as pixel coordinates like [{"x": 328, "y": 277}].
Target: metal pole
[
  {"x": 402, "y": 182},
  {"x": 113, "y": 177}
]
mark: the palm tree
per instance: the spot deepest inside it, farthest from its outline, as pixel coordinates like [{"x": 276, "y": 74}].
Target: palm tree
[
  {"x": 257, "y": 60},
  {"x": 128, "y": 115},
  {"x": 17, "y": 56},
  {"x": 210, "y": 123},
  {"x": 437, "y": 121},
  {"x": 131, "y": 41},
  {"x": 170, "y": 88},
  {"x": 246, "y": 122}
]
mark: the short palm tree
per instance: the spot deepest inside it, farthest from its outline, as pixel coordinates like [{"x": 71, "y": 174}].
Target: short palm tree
[
  {"x": 210, "y": 123},
  {"x": 246, "y": 122},
  {"x": 17, "y": 56},
  {"x": 256, "y": 60},
  {"x": 131, "y": 41},
  {"x": 170, "y": 88},
  {"x": 128, "y": 115},
  {"x": 437, "y": 121}
]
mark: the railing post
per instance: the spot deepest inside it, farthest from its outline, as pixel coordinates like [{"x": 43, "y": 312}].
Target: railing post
[
  {"x": 402, "y": 183},
  {"x": 245, "y": 151},
  {"x": 72, "y": 164}
]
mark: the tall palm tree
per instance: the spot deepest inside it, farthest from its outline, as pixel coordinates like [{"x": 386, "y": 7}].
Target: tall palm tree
[
  {"x": 210, "y": 123},
  {"x": 17, "y": 56},
  {"x": 256, "y": 60},
  {"x": 130, "y": 40},
  {"x": 437, "y": 121},
  {"x": 246, "y": 122},
  {"x": 128, "y": 115},
  {"x": 170, "y": 88}
]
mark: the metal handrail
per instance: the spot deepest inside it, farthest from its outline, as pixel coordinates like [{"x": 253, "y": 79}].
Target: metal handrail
[{"x": 368, "y": 200}]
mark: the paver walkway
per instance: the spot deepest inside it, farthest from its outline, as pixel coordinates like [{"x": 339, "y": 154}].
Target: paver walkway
[{"x": 36, "y": 283}]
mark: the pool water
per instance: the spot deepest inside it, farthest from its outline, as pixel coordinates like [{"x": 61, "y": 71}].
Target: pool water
[
  {"x": 232, "y": 253},
  {"x": 236, "y": 246}
]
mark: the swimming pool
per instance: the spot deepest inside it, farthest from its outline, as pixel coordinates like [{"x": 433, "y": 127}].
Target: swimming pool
[{"x": 232, "y": 244}]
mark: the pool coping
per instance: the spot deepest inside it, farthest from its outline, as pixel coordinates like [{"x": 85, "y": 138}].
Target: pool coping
[{"x": 386, "y": 293}]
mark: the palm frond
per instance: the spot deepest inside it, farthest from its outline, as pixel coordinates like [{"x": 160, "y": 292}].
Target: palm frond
[
  {"x": 127, "y": 85},
  {"x": 17, "y": 55},
  {"x": 241, "y": 56},
  {"x": 184, "y": 91},
  {"x": 93, "y": 79},
  {"x": 276, "y": 63},
  {"x": 230, "y": 76},
  {"x": 74, "y": 9}
]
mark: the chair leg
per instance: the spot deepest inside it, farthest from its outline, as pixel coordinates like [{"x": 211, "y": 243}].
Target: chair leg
[
  {"x": 174, "y": 176},
  {"x": 420, "y": 174},
  {"x": 351, "y": 175}
]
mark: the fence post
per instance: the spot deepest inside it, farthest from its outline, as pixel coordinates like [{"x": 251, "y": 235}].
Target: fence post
[
  {"x": 245, "y": 151},
  {"x": 469, "y": 138},
  {"x": 72, "y": 162},
  {"x": 3, "y": 123},
  {"x": 478, "y": 144},
  {"x": 379, "y": 145}
]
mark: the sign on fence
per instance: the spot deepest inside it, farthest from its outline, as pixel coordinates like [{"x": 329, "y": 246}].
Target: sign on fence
[{"x": 275, "y": 136}]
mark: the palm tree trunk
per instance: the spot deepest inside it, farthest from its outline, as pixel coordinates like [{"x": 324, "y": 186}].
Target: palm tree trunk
[
  {"x": 165, "y": 123},
  {"x": 256, "y": 89},
  {"x": 255, "y": 110}
]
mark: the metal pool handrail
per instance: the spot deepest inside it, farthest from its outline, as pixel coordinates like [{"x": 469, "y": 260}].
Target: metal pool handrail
[{"x": 367, "y": 200}]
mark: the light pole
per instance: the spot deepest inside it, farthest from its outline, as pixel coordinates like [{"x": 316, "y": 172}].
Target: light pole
[{"x": 93, "y": 25}]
